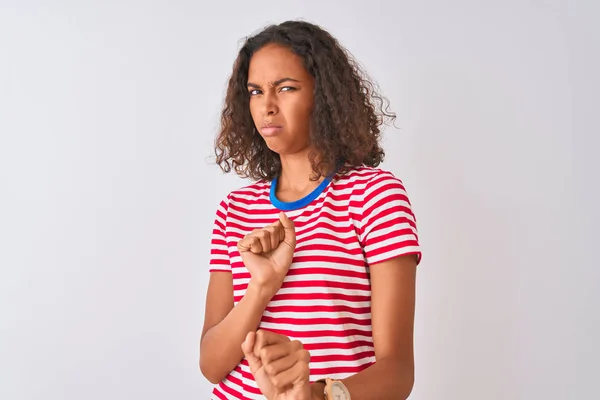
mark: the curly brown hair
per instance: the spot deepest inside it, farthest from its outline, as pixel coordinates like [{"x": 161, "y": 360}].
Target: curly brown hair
[{"x": 346, "y": 116}]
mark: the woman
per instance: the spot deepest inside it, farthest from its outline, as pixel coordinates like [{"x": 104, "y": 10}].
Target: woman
[{"x": 312, "y": 271}]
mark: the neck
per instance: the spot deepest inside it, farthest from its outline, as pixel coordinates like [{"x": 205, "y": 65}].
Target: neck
[{"x": 296, "y": 172}]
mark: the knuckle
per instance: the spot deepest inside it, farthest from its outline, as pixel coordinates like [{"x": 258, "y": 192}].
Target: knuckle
[
  {"x": 270, "y": 369},
  {"x": 276, "y": 381},
  {"x": 265, "y": 353},
  {"x": 260, "y": 334},
  {"x": 305, "y": 356},
  {"x": 263, "y": 233},
  {"x": 296, "y": 345},
  {"x": 305, "y": 371}
]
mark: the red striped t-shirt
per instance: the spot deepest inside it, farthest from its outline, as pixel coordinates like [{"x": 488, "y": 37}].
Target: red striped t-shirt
[{"x": 349, "y": 223}]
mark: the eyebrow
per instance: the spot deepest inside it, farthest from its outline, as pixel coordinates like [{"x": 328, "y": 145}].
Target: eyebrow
[{"x": 276, "y": 83}]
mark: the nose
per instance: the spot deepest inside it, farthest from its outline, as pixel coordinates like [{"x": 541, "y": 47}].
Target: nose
[{"x": 269, "y": 106}]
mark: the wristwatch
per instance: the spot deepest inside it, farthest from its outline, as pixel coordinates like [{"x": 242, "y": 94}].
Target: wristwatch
[{"x": 335, "y": 390}]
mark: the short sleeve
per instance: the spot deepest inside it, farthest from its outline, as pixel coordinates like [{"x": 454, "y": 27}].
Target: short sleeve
[
  {"x": 388, "y": 226},
  {"x": 219, "y": 254}
]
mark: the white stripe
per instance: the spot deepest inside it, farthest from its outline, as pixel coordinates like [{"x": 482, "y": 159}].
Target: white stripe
[
  {"x": 337, "y": 364},
  {"x": 312, "y": 289},
  {"x": 394, "y": 253},
  {"x": 318, "y": 314},
  {"x": 328, "y": 303},
  {"x": 340, "y": 352},
  {"x": 317, "y": 327},
  {"x": 325, "y": 278},
  {"x": 322, "y": 289},
  {"x": 387, "y": 242}
]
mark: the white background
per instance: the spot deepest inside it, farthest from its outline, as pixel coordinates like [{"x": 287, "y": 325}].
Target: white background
[{"x": 108, "y": 110}]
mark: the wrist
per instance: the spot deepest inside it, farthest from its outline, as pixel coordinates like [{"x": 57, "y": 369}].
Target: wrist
[{"x": 260, "y": 293}]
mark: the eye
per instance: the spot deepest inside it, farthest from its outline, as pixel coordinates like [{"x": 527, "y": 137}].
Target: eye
[
  {"x": 254, "y": 92},
  {"x": 287, "y": 89}
]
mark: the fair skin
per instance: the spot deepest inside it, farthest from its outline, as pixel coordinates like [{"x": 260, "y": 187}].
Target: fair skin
[{"x": 281, "y": 96}]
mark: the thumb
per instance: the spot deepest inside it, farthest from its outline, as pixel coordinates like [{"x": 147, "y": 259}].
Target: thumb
[
  {"x": 248, "y": 344},
  {"x": 289, "y": 229},
  {"x": 248, "y": 349}
]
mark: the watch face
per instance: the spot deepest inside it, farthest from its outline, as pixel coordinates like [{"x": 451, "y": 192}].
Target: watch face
[{"x": 339, "y": 392}]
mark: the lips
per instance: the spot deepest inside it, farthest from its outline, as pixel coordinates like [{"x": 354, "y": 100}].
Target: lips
[{"x": 270, "y": 129}]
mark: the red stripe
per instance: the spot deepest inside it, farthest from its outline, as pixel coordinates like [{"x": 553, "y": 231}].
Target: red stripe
[
  {"x": 339, "y": 370},
  {"x": 211, "y": 270},
  {"x": 218, "y": 394},
  {"x": 241, "y": 273},
  {"x": 328, "y": 271},
  {"x": 397, "y": 222},
  {"x": 327, "y": 236},
  {"x": 321, "y": 296},
  {"x": 321, "y": 308},
  {"x": 319, "y": 225},
  {"x": 317, "y": 333},
  {"x": 338, "y": 345},
  {"x": 268, "y": 216},
  {"x": 219, "y": 252},
  {"x": 312, "y": 247},
  {"x": 326, "y": 284},
  {"x": 314, "y": 283},
  {"x": 316, "y": 321},
  {"x": 231, "y": 391},
  {"x": 330, "y": 259},
  {"x": 391, "y": 247},
  {"x": 247, "y": 388},
  {"x": 218, "y": 240},
  {"x": 342, "y": 357},
  {"x": 317, "y": 247}
]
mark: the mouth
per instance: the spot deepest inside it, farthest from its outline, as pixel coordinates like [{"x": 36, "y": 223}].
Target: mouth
[{"x": 270, "y": 130}]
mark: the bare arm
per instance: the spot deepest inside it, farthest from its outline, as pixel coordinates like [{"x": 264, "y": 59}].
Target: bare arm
[
  {"x": 226, "y": 326},
  {"x": 267, "y": 254},
  {"x": 392, "y": 309}
]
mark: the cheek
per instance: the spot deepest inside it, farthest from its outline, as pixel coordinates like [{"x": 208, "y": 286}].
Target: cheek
[
  {"x": 254, "y": 112},
  {"x": 301, "y": 115}
]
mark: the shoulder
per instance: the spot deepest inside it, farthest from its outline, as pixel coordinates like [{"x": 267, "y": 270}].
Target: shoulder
[
  {"x": 362, "y": 179},
  {"x": 246, "y": 194},
  {"x": 252, "y": 191}
]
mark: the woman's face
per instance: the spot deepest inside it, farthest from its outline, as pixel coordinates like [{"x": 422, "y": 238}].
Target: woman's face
[{"x": 281, "y": 99}]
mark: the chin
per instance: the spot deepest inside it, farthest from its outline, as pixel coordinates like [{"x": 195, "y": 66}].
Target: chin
[
  {"x": 278, "y": 151},
  {"x": 283, "y": 149},
  {"x": 276, "y": 146}
]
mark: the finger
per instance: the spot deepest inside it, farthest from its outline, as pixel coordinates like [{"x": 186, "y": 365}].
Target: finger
[
  {"x": 280, "y": 230},
  {"x": 265, "y": 240},
  {"x": 275, "y": 234},
  {"x": 248, "y": 344},
  {"x": 279, "y": 365},
  {"x": 247, "y": 347},
  {"x": 250, "y": 243},
  {"x": 274, "y": 352},
  {"x": 289, "y": 229},
  {"x": 297, "y": 374},
  {"x": 266, "y": 338}
]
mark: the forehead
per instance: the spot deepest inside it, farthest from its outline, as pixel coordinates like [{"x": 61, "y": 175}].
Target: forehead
[{"x": 273, "y": 62}]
